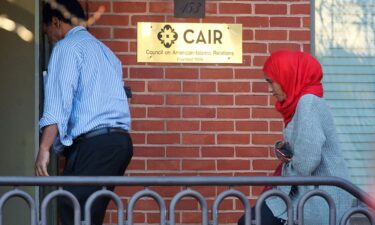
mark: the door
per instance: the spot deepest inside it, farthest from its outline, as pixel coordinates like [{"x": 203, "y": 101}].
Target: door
[{"x": 18, "y": 100}]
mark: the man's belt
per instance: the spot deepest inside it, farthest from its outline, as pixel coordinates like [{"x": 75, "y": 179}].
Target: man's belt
[{"x": 100, "y": 131}]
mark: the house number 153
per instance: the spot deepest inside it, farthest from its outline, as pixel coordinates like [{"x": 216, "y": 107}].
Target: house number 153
[
  {"x": 192, "y": 7},
  {"x": 189, "y": 8}
]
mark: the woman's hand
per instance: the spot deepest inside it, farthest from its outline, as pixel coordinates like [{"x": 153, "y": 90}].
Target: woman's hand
[{"x": 283, "y": 151}]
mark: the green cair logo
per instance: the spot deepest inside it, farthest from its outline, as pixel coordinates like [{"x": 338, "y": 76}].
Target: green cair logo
[{"x": 167, "y": 36}]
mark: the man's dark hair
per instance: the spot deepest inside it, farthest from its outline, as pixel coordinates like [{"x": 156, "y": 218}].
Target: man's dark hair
[{"x": 72, "y": 6}]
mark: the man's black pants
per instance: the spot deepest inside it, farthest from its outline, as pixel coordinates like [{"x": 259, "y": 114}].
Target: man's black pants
[
  {"x": 103, "y": 155},
  {"x": 267, "y": 218}
]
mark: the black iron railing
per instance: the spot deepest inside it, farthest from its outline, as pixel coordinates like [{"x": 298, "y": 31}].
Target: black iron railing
[{"x": 365, "y": 208}]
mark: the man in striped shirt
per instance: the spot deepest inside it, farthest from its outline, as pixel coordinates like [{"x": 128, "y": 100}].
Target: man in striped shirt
[{"x": 85, "y": 107}]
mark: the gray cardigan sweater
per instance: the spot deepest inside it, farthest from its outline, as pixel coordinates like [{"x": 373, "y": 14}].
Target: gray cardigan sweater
[{"x": 312, "y": 136}]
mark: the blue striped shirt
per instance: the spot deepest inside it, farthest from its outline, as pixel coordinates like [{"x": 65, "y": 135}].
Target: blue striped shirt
[{"x": 83, "y": 87}]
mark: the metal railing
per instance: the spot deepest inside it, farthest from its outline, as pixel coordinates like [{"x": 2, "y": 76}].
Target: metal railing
[{"x": 189, "y": 182}]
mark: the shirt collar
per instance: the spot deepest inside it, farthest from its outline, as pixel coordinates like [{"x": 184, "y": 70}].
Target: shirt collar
[{"x": 74, "y": 30}]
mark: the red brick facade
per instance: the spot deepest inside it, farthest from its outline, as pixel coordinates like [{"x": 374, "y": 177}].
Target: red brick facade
[{"x": 202, "y": 119}]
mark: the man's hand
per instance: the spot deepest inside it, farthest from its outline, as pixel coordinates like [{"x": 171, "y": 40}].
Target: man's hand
[
  {"x": 42, "y": 162},
  {"x": 49, "y": 134}
]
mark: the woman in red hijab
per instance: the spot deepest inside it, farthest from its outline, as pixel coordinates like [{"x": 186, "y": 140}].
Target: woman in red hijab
[
  {"x": 310, "y": 146},
  {"x": 292, "y": 75}
]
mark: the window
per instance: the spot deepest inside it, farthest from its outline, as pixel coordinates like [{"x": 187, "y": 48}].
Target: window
[{"x": 344, "y": 38}]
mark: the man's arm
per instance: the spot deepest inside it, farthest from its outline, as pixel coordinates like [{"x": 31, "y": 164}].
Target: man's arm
[
  {"x": 60, "y": 86},
  {"x": 49, "y": 134}
]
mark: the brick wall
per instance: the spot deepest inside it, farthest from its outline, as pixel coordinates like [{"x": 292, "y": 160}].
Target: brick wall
[{"x": 202, "y": 119}]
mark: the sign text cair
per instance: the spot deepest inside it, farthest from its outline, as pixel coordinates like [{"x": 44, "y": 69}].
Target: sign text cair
[{"x": 211, "y": 37}]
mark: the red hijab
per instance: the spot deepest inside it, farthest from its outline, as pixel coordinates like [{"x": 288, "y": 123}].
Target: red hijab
[{"x": 298, "y": 73}]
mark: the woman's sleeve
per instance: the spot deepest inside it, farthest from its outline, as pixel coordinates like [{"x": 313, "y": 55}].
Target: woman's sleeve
[{"x": 308, "y": 141}]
